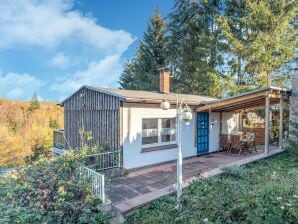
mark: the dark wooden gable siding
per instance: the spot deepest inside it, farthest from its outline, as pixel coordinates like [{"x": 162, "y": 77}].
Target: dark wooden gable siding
[{"x": 94, "y": 112}]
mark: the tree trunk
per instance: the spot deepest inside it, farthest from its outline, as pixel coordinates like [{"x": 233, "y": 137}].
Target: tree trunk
[
  {"x": 268, "y": 79},
  {"x": 239, "y": 72}
]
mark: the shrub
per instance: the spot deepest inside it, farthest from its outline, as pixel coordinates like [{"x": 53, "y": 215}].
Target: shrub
[
  {"x": 47, "y": 192},
  {"x": 236, "y": 172}
]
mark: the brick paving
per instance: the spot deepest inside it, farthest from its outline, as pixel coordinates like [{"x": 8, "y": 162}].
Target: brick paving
[
  {"x": 153, "y": 178},
  {"x": 142, "y": 186}
]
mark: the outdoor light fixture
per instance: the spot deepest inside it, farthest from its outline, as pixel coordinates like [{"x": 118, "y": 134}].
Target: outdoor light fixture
[
  {"x": 183, "y": 112},
  {"x": 165, "y": 105},
  {"x": 187, "y": 115}
]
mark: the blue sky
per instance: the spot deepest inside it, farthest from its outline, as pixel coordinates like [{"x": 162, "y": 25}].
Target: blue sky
[{"x": 52, "y": 47}]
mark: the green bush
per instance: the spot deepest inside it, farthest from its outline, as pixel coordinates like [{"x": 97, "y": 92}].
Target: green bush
[
  {"x": 234, "y": 171},
  {"x": 263, "y": 192},
  {"x": 47, "y": 192}
]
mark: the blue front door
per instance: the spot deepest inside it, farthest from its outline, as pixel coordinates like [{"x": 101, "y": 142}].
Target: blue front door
[{"x": 202, "y": 132}]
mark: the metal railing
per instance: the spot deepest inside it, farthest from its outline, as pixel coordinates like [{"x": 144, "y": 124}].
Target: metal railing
[
  {"x": 59, "y": 141},
  {"x": 104, "y": 160},
  {"x": 95, "y": 179}
]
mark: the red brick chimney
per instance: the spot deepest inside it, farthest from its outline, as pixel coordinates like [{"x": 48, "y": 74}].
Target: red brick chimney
[{"x": 164, "y": 80}]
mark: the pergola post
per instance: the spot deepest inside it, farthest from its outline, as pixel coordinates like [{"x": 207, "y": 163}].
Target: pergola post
[
  {"x": 267, "y": 107},
  {"x": 281, "y": 124},
  {"x": 209, "y": 134}
]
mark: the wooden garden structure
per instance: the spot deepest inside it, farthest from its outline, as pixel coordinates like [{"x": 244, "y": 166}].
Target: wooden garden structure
[{"x": 260, "y": 98}]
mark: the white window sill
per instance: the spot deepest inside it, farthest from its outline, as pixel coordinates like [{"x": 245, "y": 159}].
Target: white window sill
[{"x": 158, "y": 148}]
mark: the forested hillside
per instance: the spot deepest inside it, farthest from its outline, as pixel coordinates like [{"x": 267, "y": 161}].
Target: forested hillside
[{"x": 26, "y": 130}]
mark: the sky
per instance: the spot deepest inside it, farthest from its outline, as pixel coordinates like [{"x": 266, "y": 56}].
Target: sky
[{"x": 53, "y": 47}]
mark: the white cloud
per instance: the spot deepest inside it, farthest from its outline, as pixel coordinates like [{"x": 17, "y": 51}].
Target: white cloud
[
  {"x": 101, "y": 73},
  {"x": 19, "y": 86},
  {"x": 87, "y": 52},
  {"x": 50, "y": 22},
  {"x": 60, "y": 60}
]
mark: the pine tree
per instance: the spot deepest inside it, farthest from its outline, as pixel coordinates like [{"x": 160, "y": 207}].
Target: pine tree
[
  {"x": 128, "y": 77},
  {"x": 260, "y": 37},
  {"x": 34, "y": 103},
  {"x": 142, "y": 72},
  {"x": 233, "y": 18},
  {"x": 274, "y": 42},
  {"x": 194, "y": 46}
]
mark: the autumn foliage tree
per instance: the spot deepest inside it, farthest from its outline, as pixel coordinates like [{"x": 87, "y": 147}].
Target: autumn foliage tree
[{"x": 26, "y": 130}]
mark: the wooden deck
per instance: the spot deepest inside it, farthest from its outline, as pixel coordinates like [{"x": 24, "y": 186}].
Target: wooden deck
[{"x": 141, "y": 187}]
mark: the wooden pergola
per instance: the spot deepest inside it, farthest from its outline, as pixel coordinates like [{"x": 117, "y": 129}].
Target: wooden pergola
[{"x": 259, "y": 98}]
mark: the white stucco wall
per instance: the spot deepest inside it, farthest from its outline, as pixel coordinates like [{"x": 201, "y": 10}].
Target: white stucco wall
[
  {"x": 230, "y": 125},
  {"x": 132, "y": 139},
  {"x": 132, "y": 135},
  {"x": 214, "y": 132}
]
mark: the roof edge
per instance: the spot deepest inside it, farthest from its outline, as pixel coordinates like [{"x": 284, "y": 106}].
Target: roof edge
[
  {"x": 91, "y": 88},
  {"x": 266, "y": 88}
]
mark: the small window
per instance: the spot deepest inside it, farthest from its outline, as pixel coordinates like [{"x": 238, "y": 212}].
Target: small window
[
  {"x": 158, "y": 131},
  {"x": 168, "y": 129},
  {"x": 150, "y": 131}
]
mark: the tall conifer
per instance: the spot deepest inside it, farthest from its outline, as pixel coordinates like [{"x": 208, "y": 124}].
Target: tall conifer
[
  {"x": 142, "y": 72},
  {"x": 194, "y": 46},
  {"x": 260, "y": 36}
]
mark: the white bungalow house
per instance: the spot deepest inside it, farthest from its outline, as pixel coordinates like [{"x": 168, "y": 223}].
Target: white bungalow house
[{"x": 133, "y": 124}]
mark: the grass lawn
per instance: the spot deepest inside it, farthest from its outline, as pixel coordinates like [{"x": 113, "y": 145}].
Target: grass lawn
[{"x": 262, "y": 192}]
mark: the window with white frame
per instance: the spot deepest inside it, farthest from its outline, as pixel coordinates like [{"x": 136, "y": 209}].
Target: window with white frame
[
  {"x": 150, "y": 131},
  {"x": 158, "y": 131},
  {"x": 168, "y": 129}
]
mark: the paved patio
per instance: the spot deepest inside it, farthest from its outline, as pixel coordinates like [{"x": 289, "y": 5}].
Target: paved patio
[{"x": 144, "y": 185}]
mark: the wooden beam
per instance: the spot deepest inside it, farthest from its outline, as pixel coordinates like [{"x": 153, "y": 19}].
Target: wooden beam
[
  {"x": 248, "y": 105},
  {"x": 250, "y": 108},
  {"x": 281, "y": 124},
  {"x": 274, "y": 96},
  {"x": 230, "y": 101},
  {"x": 267, "y": 107},
  {"x": 242, "y": 106},
  {"x": 243, "y": 102}
]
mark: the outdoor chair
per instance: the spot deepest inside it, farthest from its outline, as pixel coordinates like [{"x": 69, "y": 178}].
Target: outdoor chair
[
  {"x": 224, "y": 142},
  {"x": 251, "y": 141},
  {"x": 240, "y": 134},
  {"x": 238, "y": 145}
]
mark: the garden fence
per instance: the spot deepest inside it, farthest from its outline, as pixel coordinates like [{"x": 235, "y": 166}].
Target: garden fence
[
  {"x": 104, "y": 160},
  {"x": 95, "y": 179}
]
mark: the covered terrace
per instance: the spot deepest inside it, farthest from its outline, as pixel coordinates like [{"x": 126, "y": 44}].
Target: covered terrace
[{"x": 252, "y": 100}]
